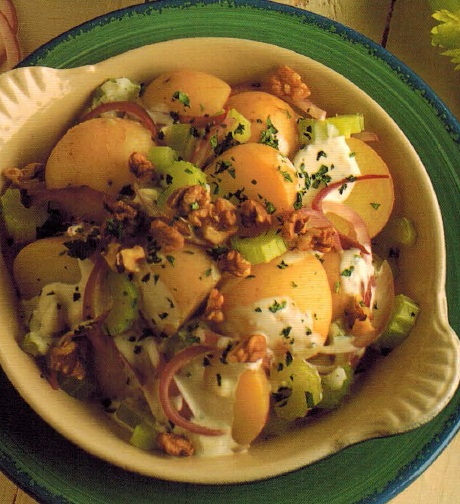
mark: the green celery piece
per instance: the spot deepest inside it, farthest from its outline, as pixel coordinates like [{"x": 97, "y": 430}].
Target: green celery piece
[
  {"x": 21, "y": 223},
  {"x": 313, "y": 130},
  {"x": 241, "y": 130},
  {"x": 335, "y": 390},
  {"x": 260, "y": 249},
  {"x": 162, "y": 156},
  {"x": 402, "y": 321},
  {"x": 179, "y": 174},
  {"x": 127, "y": 416},
  {"x": 181, "y": 138},
  {"x": 113, "y": 90},
  {"x": 400, "y": 231},
  {"x": 144, "y": 437},
  {"x": 125, "y": 297},
  {"x": 299, "y": 388},
  {"x": 81, "y": 389}
]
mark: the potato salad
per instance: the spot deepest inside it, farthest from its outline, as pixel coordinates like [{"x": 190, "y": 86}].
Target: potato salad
[{"x": 211, "y": 264}]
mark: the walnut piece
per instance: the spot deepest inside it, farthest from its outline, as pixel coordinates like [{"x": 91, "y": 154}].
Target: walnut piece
[
  {"x": 286, "y": 83},
  {"x": 251, "y": 349},
  {"x": 254, "y": 218},
  {"x": 191, "y": 202},
  {"x": 130, "y": 259},
  {"x": 213, "y": 311},
  {"x": 175, "y": 444},
  {"x": 235, "y": 263},
  {"x": 167, "y": 236},
  {"x": 68, "y": 355},
  {"x": 142, "y": 168},
  {"x": 298, "y": 232}
]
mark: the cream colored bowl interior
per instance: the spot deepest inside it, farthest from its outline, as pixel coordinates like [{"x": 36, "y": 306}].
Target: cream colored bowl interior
[{"x": 407, "y": 389}]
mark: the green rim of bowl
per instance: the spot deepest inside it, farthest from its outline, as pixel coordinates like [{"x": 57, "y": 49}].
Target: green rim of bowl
[{"x": 52, "y": 469}]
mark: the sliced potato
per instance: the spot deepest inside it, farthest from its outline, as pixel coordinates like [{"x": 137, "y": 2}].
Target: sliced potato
[
  {"x": 272, "y": 120},
  {"x": 252, "y": 402},
  {"x": 372, "y": 199},
  {"x": 187, "y": 92},
  {"x": 42, "y": 262},
  {"x": 173, "y": 288},
  {"x": 95, "y": 153},
  {"x": 287, "y": 299},
  {"x": 255, "y": 171}
]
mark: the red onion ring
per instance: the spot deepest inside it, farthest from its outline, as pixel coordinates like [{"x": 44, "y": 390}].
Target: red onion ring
[
  {"x": 126, "y": 107},
  {"x": 363, "y": 239},
  {"x": 166, "y": 380},
  {"x": 319, "y": 198},
  {"x": 95, "y": 280}
]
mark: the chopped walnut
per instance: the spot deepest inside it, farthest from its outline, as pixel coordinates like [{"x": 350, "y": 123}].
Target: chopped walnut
[
  {"x": 286, "y": 83},
  {"x": 142, "y": 168},
  {"x": 68, "y": 355},
  {"x": 167, "y": 236},
  {"x": 174, "y": 444},
  {"x": 251, "y": 349},
  {"x": 122, "y": 210},
  {"x": 298, "y": 232},
  {"x": 213, "y": 311},
  {"x": 130, "y": 259},
  {"x": 220, "y": 223},
  {"x": 254, "y": 217},
  {"x": 28, "y": 178},
  {"x": 191, "y": 202},
  {"x": 357, "y": 311},
  {"x": 235, "y": 263}
]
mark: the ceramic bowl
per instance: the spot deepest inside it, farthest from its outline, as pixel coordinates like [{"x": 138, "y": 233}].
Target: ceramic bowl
[{"x": 403, "y": 391}]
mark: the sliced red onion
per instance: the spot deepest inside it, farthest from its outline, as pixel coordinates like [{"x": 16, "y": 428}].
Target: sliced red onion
[
  {"x": 126, "y": 107},
  {"x": 92, "y": 292},
  {"x": 166, "y": 380},
  {"x": 363, "y": 239},
  {"x": 319, "y": 198}
]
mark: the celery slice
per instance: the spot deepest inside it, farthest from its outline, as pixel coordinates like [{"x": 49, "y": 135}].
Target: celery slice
[
  {"x": 241, "y": 129},
  {"x": 180, "y": 137},
  {"x": 400, "y": 231},
  {"x": 402, "y": 321},
  {"x": 162, "y": 156},
  {"x": 127, "y": 416},
  {"x": 336, "y": 386},
  {"x": 35, "y": 343},
  {"x": 312, "y": 130},
  {"x": 125, "y": 298},
  {"x": 144, "y": 437},
  {"x": 179, "y": 174},
  {"x": 113, "y": 90},
  {"x": 298, "y": 388},
  {"x": 260, "y": 249},
  {"x": 81, "y": 389},
  {"x": 20, "y": 222}
]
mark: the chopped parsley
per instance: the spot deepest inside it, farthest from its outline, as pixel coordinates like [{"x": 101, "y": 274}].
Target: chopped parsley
[
  {"x": 347, "y": 272},
  {"x": 268, "y": 135},
  {"x": 276, "y": 306},
  {"x": 181, "y": 97}
]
